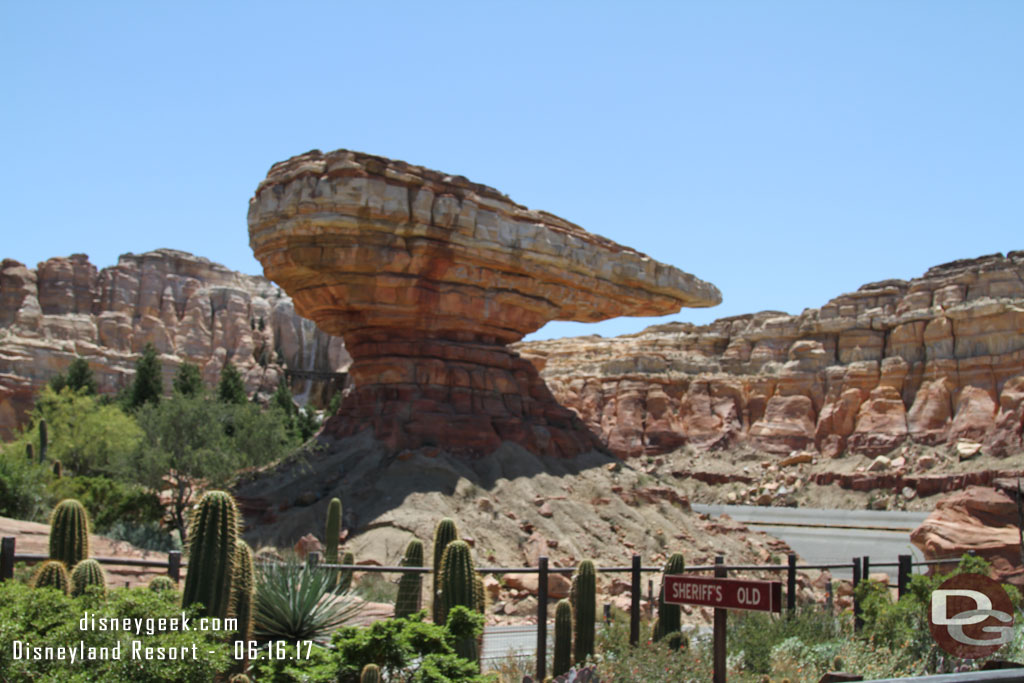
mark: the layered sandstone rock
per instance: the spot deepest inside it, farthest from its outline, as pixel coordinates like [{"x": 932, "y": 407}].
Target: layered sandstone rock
[
  {"x": 428, "y": 277},
  {"x": 937, "y": 359},
  {"x": 188, "y": 307},
  {"x": 981, "y": 519}
]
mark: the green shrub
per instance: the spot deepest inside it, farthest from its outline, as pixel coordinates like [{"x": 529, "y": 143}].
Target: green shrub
[
  {"x": 51, "y": 619},
  {"x": 110, "y": 503}
]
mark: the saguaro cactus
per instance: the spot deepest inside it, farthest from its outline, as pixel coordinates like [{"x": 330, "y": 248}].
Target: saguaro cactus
[
  {"x": 332, "y": 532},
  {"x": 345, "y": 576},
  {"x": 445, "y": 533},
  {"x": 42, "y": 441},
  {"x": 370, "y": 674},
  {"x": 69, "y": 533},
  {"x": 410, "y": 585},
  {"x": 563, "y": 638},
  {"x": 87, "y": 573},
  {"x": 243, "y": 587},
  {"x": 457, "y": 579},
  {"x": 668, "y": 615},
  {"x": 52, "y": 574},
  {"x": 584, "y": 607},
  {"x": 211, "y": 554}
]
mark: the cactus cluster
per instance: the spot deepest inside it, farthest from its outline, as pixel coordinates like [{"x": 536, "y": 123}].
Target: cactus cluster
[
  {"x": 668, "y": 622},
  {"x": 583, "y": 596},
  {"x": 444, "y": 533},
  {"x": 243, "y": 589},
  {"x": 87, "y": 573},
  {"x": 212, "y": 536},
  {"x": 52, "y": 574},
  {"x": 69, "y": 533},
  {"x": 563, "y": 638},
  {"x": 410, "y": 585}
]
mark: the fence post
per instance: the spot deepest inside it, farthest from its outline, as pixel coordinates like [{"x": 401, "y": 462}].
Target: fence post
[
  {"x": 903, "y": 578},
  {"x": 857, "y": 622},
  {"x": 634, "y": 607},
  {"x": 865, "y": 568},
  {"x": 174, "y": 565},
  {"x": 313, "y": 559},
  {"x": 828, "y": 597},
  {"x": 791, "y": 583},
  {"x": 720, "y": 623},
  {"x": 542, "y": 617},
  {"x": 7, "y": 558}
]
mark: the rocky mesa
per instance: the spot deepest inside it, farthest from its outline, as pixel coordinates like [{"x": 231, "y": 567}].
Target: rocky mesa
[
  {"x": 188, "y": 307},
  {"x": 937, "y": 359}
]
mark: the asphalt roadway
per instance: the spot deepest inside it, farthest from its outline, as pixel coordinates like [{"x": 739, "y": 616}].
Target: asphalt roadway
[{"x": 832, "y": 536}]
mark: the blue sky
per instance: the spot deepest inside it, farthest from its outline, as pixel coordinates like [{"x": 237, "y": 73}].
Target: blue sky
[{"x": 786, "y": 151}]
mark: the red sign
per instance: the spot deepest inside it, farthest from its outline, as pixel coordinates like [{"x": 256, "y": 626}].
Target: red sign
[{"x": 760, "y": 596}]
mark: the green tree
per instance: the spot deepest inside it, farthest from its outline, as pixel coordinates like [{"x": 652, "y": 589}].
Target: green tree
[
  {"x": 86, "y": 436},
  {"x": 188, "y": 440},
  {"x": 79, "y": 377},
  {"x": 148, "y": 385},
  {"x": 231, "y": 389},
  {"x": 188, "y": 381}
]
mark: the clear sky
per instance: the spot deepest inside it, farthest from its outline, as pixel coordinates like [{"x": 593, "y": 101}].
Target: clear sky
[{"x": 785, "y": 151}]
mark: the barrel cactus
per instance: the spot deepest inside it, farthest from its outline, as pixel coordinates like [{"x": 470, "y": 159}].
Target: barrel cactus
[
  {"x": 583, "y": 596},
  {"x": 52, "y": 574},
  {"x": 87, "y": 573},
  {"x": 410, "y": 585},
  {"x": 213, "y": 531},
  {"x": 445, "y": 533},
  {"x": 332, "y": 532},
  {"x": 161, "y": 583},
  {"x": 69, "y": 533},
  {"x": 563, "y": 638},
  {"x": 243, "y": 587},
  {"x": 370, "y": 674},
  {"x": 668, "y": 615}
]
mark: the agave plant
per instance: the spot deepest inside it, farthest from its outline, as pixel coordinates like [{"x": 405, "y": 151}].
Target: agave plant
[{"x": 296, "y": 602}]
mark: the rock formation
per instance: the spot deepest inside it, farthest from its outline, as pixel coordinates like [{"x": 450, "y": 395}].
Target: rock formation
[
  {"x": 428, "y": 277},
  {"x": 189, "y": 308},
  {"x": 937, "y": 359},
  {"x": 978, "y": 518}
]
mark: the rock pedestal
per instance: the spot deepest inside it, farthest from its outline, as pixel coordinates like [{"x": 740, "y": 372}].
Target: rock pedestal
[{"x": 428, "y": 277}]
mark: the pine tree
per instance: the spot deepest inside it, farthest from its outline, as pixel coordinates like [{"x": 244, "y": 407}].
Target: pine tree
[
  {"x": 231, "y": 389},
  {"x": 188, "y": 381},
  {"x": 80, "y": 377},
  {"x": 148, "y": 385}
]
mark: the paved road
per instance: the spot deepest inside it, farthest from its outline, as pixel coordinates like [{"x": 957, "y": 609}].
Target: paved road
[{"x": 832, "y": 536}]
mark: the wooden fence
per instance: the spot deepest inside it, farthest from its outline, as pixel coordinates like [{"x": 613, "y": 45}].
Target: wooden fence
[{"x": 861, "y": 568}]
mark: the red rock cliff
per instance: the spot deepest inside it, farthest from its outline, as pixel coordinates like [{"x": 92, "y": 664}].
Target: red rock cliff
[
  {"x": 939, "y": 358},
  {"x": 188, "y": 307}
]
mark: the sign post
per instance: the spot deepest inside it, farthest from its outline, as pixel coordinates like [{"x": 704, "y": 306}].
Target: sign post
[{"x": 722, "y": 594}]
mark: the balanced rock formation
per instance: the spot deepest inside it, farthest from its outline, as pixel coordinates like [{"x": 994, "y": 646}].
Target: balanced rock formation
[
  {"x": 938, "y": 359},
  {"x": 979, "y": 518},
  {"x": 188, "y": 307},
  {"x": 428, "y": 277}
]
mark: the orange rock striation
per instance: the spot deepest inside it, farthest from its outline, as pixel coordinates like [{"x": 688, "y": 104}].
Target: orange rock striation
[
  {"x": 428, "y": 277},
  {"x": 937, "y": 359},
  {"x": 188, "y": 307}
]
